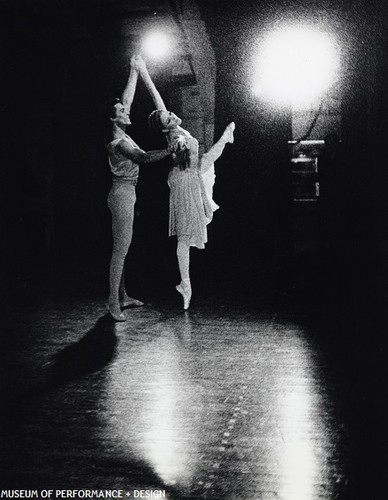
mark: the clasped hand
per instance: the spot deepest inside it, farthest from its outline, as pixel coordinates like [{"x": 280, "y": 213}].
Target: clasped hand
[{"x": 138, "y": 63}]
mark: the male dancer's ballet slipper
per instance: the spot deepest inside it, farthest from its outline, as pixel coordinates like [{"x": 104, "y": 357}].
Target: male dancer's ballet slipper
[
  {"x": 186, "y": 294},
  {"x": 117, "y": 316},
  {"x": 228, "y": 133},
  {"x": 130, "y": 302}
]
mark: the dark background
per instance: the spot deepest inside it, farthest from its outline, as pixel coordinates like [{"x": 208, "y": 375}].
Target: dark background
[{"x": 61, "y": 61}]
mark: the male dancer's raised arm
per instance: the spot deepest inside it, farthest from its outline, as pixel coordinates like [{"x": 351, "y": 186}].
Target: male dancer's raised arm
[{"x": 130, "y": 88}]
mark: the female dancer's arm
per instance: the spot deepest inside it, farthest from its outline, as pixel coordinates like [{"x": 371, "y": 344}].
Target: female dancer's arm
[{"x": 140, "y": 65}]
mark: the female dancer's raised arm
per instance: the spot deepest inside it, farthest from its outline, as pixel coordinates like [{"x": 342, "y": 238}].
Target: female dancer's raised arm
[
  {"x": 162, "y": 119},
  {"x": 139, "y": 64}
]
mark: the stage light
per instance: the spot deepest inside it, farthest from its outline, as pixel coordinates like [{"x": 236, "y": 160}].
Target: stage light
[
  {"x": 296, "y": 65},
  {"x": 156, "y": 45}
]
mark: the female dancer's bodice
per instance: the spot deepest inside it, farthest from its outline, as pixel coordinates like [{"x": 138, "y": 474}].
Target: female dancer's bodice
[{"x": 182, "y": 140}]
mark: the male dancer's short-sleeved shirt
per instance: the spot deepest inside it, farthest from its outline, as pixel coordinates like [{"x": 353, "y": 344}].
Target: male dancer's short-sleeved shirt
[{"x": 123, "y": 166}]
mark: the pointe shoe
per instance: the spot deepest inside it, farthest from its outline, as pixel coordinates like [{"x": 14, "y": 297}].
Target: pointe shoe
[
  {"x": 129, "y": 301},
  {"x": 228, "y": 133},
  {"x": 117, "y": 316},
  {"x": 186, "y": 294}
]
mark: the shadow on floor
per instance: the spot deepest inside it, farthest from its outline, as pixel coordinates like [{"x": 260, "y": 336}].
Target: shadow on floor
[
  {"x": 94, "y": 351},
  {"x": 90, "y": 354}
]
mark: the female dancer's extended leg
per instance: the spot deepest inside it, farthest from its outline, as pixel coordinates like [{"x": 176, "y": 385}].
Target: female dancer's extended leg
[{"x": 217, "y": 149}]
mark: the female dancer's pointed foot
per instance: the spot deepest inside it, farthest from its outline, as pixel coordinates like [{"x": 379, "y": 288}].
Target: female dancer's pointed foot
[
  {"x": 185, "y": 291},
  {"x": 228, "y": 133},
  {"x": 116, "y": 312},
  {"x": 130, "y": 302}
]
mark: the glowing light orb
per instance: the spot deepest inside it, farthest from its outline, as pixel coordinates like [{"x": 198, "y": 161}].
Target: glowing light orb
[
  {"x": 156, "y": 45},
  {"x": 296, "y": 65}
]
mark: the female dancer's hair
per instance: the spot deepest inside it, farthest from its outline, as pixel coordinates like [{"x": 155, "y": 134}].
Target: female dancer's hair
[
  {"x": 182, "y": 158},
  {"x": 181, "y": 153},
  {"x": 154, "y": 119}
]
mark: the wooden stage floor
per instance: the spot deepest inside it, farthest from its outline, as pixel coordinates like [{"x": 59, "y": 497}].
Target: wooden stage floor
[{"x": 226, "y": 401}]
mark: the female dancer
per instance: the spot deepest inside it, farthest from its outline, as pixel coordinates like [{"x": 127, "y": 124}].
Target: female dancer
[
  {"x": 124, "y": 159},
  {"x": 190, "y": 180}
]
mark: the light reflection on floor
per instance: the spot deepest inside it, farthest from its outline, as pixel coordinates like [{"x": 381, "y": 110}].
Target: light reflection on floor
[
  {"x": 303, "y": 469},
  {"x": 153, "y": 399},
  {"x": 203, "y": 399}
]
